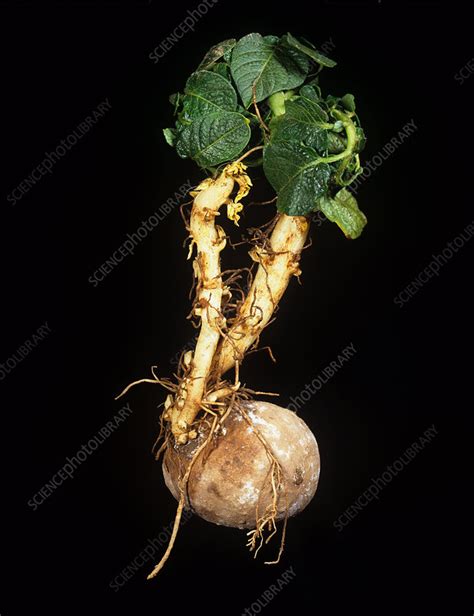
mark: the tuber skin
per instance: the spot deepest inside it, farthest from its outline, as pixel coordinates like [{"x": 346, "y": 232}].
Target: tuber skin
[{"x": 230, "y": 480}]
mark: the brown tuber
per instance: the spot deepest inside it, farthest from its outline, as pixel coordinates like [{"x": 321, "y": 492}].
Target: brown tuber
[{"x": 230, "y": 482}]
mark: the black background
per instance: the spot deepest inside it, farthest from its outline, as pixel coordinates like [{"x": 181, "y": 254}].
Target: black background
[{"x": 59, "y": 62}]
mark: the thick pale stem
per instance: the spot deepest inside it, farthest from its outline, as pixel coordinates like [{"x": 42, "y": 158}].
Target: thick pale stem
[
  {"x": 277, "y": 265},
  {"x": 210, "y": 240}
]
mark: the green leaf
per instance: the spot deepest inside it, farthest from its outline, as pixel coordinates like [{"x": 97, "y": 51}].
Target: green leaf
[
  {"x": 222, "y": 69},
  {"x": 296, "y": 174},
  {"x": 361, "y": 139},
  {"x": 336, "y": 143},
  {"x": 170, "y": 136},
  {"x": 332, "y": 101},
  {"x": 266, "y": 64},
  {"x": 344, "y": 211},
  {"x": 348, "y": 102},
  {"x": 313, "y": 53},
  {"x": 303, "y": 121},
  {"x": 207, "y": 92},
  {"x": 215, "y": 53},
  {"x": 214, "y": 138},
  {"x": 313, "y": 94},
  {"x": 314, "y": 83}
]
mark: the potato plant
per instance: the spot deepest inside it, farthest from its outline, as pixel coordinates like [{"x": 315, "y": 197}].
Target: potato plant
[{"x": 230, "y": 457}]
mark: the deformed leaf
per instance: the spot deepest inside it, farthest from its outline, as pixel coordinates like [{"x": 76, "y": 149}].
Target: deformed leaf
[
  {"x": 205, "y": 92},
  {"x": 314, "y": 54},
  {"x": 215, "y": 53},
  {"x": 170, "y": 136},
  {"x": 344, "y": 211},
  {"x": 263, "y": 63},
  {"x": 313, "y": 93},
  {"x": 361, "y": 139},
  {"x": 297, "y": 175},
  {"x": 222, "y": 69},
  {"x": 303, "y": 121},
  {"x": 174, "y": 99},
  {"x": 348, "y": 102},
  {"x": 336, "y": 143},
  {"x": 214, "y": 138}
]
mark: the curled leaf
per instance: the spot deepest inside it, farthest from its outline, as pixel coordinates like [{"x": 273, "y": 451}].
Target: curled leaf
[
  {"x": 237, "y": 171},
  {"x": 170, "y": 136},
  {"x": 313, "y": 53},
  {"x": 215, "y": 53},
  {"x": 344, "y": 211}
]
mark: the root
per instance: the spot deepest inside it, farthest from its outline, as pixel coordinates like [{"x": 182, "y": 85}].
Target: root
[
  {"x": 265, "y": 348},
  {"x": 266, "y": 522},
  {"x": 166, "y": 383},
  {"x": 158, "y": 438},
  {"x": 282, "y": 544},
  {"x": 177, "y": 520},
  {"x": 160, "y": 450},
  {"x": 262, "y": 202},
  {"x": 183, "y": 488}
]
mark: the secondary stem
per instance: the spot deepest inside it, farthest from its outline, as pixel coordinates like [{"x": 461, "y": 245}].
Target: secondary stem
[
  {"x": 276, "y": 266},
  {"x": 351, "y": 136},
  {"x": 210, "y": 240}
]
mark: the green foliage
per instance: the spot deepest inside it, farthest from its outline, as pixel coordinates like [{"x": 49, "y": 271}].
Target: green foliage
[
  {"x": 221, "y": 50},
  {"x": 312, "y": 144},
  {"x": 304, "y": 121},
  {"x": 266, "y": 64},
  {"x": 312, "y": 52},
  {"x": 214, "y": 138},
  {"x": 170, "y": 136},
  {"x": 208, "y": 128},
  {"x": 344, "y": 211},
  {"x": 348, "y": 102},
  {"x": 207, "y": 92},
  {"x": 292, "y": 170},
  {"x": 312, "y": 152}
]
